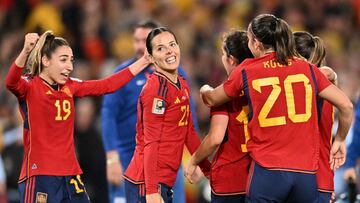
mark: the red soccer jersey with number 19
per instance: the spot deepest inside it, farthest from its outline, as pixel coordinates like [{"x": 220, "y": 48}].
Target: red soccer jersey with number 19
[
  {"x": 49, "y": 119},
  {"x": 283, "y": 121},
  {"x": 325, "y": 176},
  {"x": 163, "y": 126},
  {"x": 230, "y": 165}
]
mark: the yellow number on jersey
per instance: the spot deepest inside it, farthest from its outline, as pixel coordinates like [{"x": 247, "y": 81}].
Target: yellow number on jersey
[
  {"x": 65, "y": 107},
  {"x": 243, "y": 118},
  {"x": 186, "y": 112},
  {"x": 274, "y": 82}
]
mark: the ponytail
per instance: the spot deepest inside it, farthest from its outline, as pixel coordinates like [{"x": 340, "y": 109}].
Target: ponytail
[
  {"x": 310, "y": 47},
  {"x": 46, "y": 45},
  {"x": 318, "y": 55},
  {"x": 275, "y": 33},
  {"x": 284, "y": 42}
]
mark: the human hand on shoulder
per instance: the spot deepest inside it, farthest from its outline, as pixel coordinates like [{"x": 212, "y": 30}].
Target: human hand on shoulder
[
  {"x": 329, "y": 73},
  {"x": 203, "y": 90}
]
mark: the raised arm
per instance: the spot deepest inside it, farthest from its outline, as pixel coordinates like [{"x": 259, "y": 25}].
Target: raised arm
[{"x": 13, "y": 79}]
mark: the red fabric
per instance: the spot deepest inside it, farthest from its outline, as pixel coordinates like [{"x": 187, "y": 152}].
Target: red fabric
[
  {"x": 161, "y": 134},
  {"x": 230, "y": 165},
  {"x": 280, "y": 139},
  {"x": 49, "y": 120},
  {"x": 325, "y": 176}
]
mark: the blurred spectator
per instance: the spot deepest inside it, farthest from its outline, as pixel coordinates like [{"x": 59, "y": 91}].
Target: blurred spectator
[{"x": 90, "y": 152}]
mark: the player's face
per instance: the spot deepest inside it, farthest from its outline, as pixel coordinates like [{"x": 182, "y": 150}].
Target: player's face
[
  {"x": 58, "y": 68},
  {"x": 253, "y": 43},
  {"x": 139, "y": 44},
  {"x": 166, "y": 52}
]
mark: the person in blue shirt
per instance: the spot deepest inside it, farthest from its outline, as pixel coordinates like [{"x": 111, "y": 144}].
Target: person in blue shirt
[
  {"x": 119, "y": 115},
  {"x": 348, "y": 172},
  {"x": 354, "y": 147}
]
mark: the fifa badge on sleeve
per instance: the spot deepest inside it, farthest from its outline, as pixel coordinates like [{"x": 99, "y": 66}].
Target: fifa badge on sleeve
[{"x": 158, "y": 106}]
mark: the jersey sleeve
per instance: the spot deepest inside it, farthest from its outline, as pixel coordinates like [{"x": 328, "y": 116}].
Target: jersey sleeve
[
  {"x": 103, "y": 86},
  {"x": 219, "y": 110},
  {"x": 15, "y": 83},
  {"x": 234, "y": 84},
  {"x": 154, "y": 107}
]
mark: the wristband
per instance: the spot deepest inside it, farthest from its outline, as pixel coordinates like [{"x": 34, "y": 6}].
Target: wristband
[{"x": 112, "y": 159}]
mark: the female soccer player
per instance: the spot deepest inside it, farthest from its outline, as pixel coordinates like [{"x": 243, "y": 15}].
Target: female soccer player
[
  {"x": 281, "y": 90},
  {"x": 50, "y": 171},
  {"x": 164, "y": 125},
  {"x": 228, "y": 133},
  {"x": 313, "y": 49}
]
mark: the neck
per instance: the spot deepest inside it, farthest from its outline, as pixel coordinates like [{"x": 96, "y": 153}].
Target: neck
[
  {"x": 172, "y": 75},
  {"x": 268, "y": 51},
  {"x": 47, "y": 78}
]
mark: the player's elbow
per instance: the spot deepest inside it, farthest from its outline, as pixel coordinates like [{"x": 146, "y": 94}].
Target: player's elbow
[{"x": 346, "y": 109}]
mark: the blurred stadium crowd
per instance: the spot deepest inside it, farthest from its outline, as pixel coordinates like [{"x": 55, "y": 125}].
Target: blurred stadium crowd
[{"x": 100, "y": 34}]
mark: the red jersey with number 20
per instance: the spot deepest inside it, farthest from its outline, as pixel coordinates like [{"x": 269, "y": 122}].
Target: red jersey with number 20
[
  {"x": 230, "y": 165},
  {"x": 49, "y": 119},
  {"x": 163, "y": 126},
  {"x": 283, "y": 121}
]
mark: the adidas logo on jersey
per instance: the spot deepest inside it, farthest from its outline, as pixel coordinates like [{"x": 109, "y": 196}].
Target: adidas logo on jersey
[{"x": 177, "y": 100}]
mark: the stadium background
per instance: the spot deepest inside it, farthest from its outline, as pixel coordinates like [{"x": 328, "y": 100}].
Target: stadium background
[{"x": 100, "y": 33}]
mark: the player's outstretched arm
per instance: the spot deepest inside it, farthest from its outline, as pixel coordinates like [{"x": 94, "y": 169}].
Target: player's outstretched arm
[
  {"x": 140, "y": 64},
  {"x": 213, "y": 97}
]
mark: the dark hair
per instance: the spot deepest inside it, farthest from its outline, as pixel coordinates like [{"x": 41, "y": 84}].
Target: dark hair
[
  {"x": 154, "y": 33},
  {"x": 235, "y": 43},
  {"x": 310, "y": 47},
  {"x": 150, "y": 24},
  {"x": 45, "y": 46},
  {"x": 274, "y": 33}
]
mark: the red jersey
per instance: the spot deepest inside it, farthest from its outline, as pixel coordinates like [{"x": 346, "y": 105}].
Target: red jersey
[
  {"x": 230, "y": 165},
  {"x": 325, "y": 176},
  {"x": 163, "y": 126},
  {"x": 48, "y": 116},
  {"x": 283, "y": 117}
]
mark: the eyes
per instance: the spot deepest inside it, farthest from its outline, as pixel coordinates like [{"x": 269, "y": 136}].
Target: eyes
[
  {"x": 163, "y": 48},
  {"x": 66, "y": 59}
]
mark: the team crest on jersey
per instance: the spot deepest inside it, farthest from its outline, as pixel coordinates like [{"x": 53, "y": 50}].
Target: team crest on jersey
[
  {"x": 158, "y": 106},
  {"x": 67, "y": 91},
  {"x": 41, "y": 197},
  {"x": 48, "y": 92}
]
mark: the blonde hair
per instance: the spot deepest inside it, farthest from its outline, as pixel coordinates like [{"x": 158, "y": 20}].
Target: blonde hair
[
  {"x": 311, "y": 47},
  {"x": 45, "y": 46}
]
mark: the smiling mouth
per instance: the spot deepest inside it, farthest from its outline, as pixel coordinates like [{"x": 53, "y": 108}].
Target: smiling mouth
[
  {"x": 171, "y": 60},
  {"x": 65, "y": 74}
]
